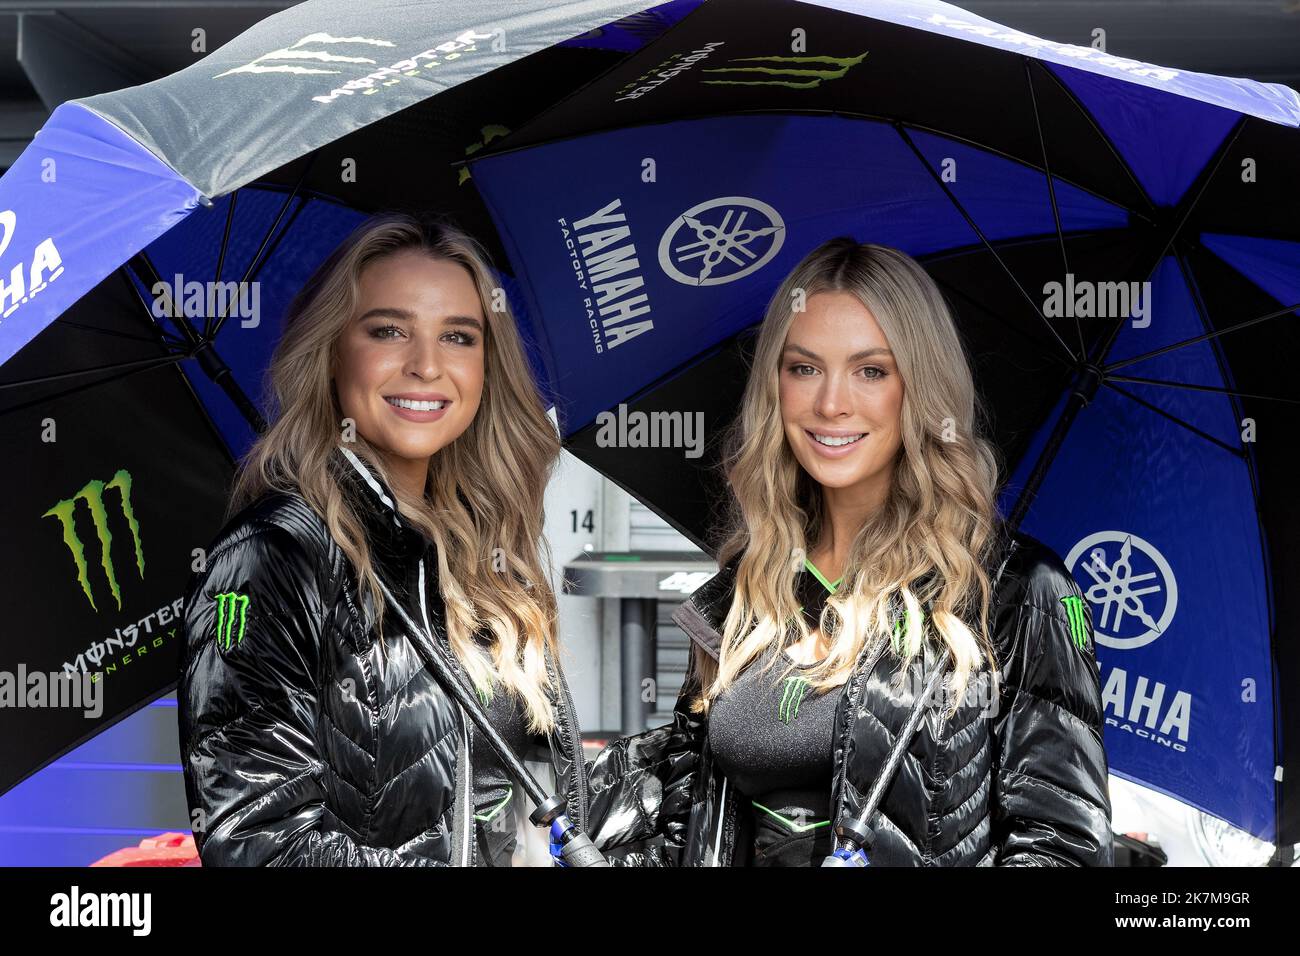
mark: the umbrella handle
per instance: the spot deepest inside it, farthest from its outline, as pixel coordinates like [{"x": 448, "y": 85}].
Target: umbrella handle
[{"x": 855, "y": 835}]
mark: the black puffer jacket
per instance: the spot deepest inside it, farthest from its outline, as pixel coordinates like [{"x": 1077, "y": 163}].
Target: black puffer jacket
[
  {"x": 298, "y": 748},
  {"x": 1022, "y": 783}
]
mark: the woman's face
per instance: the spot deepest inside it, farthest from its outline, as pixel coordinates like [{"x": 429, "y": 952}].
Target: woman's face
[
  {"x": 409, "y": 365},
  {"x": 841, "y": 395}
]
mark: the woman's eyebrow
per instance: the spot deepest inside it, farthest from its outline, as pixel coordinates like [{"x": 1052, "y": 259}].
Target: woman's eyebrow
[
  {"x": 468, "y": 320},
  {"x": 865, "y": 353},
  {"x": 388, "y": 312}
]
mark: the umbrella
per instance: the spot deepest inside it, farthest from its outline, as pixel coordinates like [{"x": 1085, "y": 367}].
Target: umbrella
[
  {"x": 1117, "y": 240},
  {"x": 647, "y": 202},
  {"x": 149, "y": 241}
]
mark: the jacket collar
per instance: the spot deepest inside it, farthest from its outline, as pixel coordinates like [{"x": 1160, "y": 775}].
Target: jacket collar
[
  {"x": 703, "y": 614},
  {"x": 388, "y": 526}
]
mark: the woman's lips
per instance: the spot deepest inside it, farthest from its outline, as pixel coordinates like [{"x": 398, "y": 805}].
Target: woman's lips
[
  {"x": 834, "y": 451},
  {"x": 413, "y": 415}
]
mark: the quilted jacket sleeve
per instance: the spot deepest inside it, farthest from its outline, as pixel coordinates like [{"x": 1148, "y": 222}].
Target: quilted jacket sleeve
[
  {"x": 1051, "y": 797},
  {"x": 641, "y": 790},
  {"x": 248, "y": 709}
]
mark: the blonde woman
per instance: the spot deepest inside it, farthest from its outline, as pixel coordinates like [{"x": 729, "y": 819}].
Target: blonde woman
[
  {"x": 865, "y": 542},
  {"x": 409, "y": 446}
]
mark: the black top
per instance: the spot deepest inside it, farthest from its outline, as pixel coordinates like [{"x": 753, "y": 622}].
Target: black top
[
  {"x": 495, "y": 788},
  {"x": 772, "y": 737}
]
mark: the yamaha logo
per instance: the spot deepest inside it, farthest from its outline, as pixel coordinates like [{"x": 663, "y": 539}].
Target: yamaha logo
[
  {"x": 1130, "y": 586},
  {"x": 721, "y": 240}
]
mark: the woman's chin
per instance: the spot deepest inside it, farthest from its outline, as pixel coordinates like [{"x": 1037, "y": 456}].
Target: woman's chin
[{"x": 839, "y": 475}]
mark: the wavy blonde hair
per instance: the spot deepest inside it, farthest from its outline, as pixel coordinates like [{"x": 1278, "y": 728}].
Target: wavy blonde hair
[
  {"x": 927, "y": 546},
  {"x": 483, "y": 504}
]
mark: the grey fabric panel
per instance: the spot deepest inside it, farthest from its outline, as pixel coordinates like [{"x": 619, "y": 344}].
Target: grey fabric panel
[{"x": 297, "y": 80}]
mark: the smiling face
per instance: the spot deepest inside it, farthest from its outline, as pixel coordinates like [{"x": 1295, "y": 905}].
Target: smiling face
[
  {"x": 841, "y": 396},
  {"x": 409, "y": 366}
]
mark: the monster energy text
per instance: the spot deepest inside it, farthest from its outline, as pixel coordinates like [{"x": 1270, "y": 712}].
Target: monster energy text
[
  {"x": 677, "y": 63},
  {"x": 101, "y": 654}
]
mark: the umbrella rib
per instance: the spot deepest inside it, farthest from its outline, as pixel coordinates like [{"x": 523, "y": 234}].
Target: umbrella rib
[
  {"x": 984, "y": 239},
  {"x": 85, "y": 385},
  {"x": 115, "y": 332},
  {"x": 1002, "y": 154},
  {"x": 1051, "y": 188},
  {"x": 1246, "y": 323},
  {"x": 221, "y": 256},
  {"x": 957, "y": 291},
  {"x": 1092, "y": 121},
  {"x": 1183, "y": 211},
  {"x": 1201, "y": 388},
  {"x": 1189, "y": 207},
  {"x": 170, "y": 339},
  {"x": 263, "y": 252},
  {"x": 141, "y": 262},
  {"x": 253, "y": 273},
  {"x": 134, "y": 365},
  {"x": 1175, "y": 419}
]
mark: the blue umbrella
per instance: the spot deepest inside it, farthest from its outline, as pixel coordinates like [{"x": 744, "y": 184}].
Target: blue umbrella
[
  {"x": 1113, "y": 236},
  {"x": 150, "y": 240},
  {"x": 1118, "y": 241}
]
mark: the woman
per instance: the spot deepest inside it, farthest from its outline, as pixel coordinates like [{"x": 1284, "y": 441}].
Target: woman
[
  {"x": 410, "y": 447},
  {"x": 865, "y": 542}
]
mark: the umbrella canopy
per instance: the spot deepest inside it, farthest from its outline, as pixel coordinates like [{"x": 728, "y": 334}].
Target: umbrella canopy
[
  {"x": 150, "y": 240},
  {"x": 646, "y": 186},
  {"x": 1116, "y": 239}
]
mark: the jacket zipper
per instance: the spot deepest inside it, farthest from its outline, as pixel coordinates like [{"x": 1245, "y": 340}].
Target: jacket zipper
[
  {"x": 722, "y": 817},
  {"x": 861, "y": 672},
  {"x": 463, "y": 799}
]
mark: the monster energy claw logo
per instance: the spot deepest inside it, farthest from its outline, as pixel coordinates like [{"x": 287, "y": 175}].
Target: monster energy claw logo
[
  {"x": 231, "y": 606},
  {"x": 1078, "y": 623},
  {"x": 795, "y": 689},
  {"x": 93, "y": 494},
  {"x": 800, "y": 75}
]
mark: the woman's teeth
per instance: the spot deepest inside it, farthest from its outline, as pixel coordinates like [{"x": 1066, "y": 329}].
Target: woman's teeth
[
  {"x": 416, "y": 406},
  {"x": 834, "y": 442}
]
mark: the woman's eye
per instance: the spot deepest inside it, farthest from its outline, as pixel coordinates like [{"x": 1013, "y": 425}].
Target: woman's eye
[
  {"x": 379, "y": 331},
  {"x": 873, "y": 372},
  {"x": 460, "y": 338},
  {"x": 802, "y": 370}
]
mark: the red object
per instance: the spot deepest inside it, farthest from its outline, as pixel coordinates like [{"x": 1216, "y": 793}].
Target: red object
[{"x": 166, "y": 849}]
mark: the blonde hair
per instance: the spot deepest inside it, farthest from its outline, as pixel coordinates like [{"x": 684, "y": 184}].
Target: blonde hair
[
  {"x": 483, "y": 507},
  {"x": 926, "y": 546}
]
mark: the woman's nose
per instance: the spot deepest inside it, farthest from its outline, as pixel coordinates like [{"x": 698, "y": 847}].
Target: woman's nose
[
  {"x": 832, "y": 397},
  {"x": 422, "y": 358}
]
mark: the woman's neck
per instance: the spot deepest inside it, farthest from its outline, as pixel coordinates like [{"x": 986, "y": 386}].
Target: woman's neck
[{"x": 844, "y": 512}]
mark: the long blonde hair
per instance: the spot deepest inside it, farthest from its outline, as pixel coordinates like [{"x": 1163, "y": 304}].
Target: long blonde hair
[
  {"x": 926, "y": 547},
  {"x": 483, "y": 509}
]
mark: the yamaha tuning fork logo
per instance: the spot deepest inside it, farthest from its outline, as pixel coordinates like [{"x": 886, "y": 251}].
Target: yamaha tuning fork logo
[
  {"x": 1129, "y": 584},
  {"x": 721, "y": 240}
]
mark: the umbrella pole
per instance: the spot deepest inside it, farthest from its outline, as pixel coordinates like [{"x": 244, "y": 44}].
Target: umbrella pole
[
  {"x": 219, "y": 372},
  {"x": 1085, "y": 387},
  {"x": 569, "y": 846}
]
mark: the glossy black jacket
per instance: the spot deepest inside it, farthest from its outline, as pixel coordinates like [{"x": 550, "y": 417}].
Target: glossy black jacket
[
  {"x": 298, "y": 748},
  {"x": 1017, "y": 782}
]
